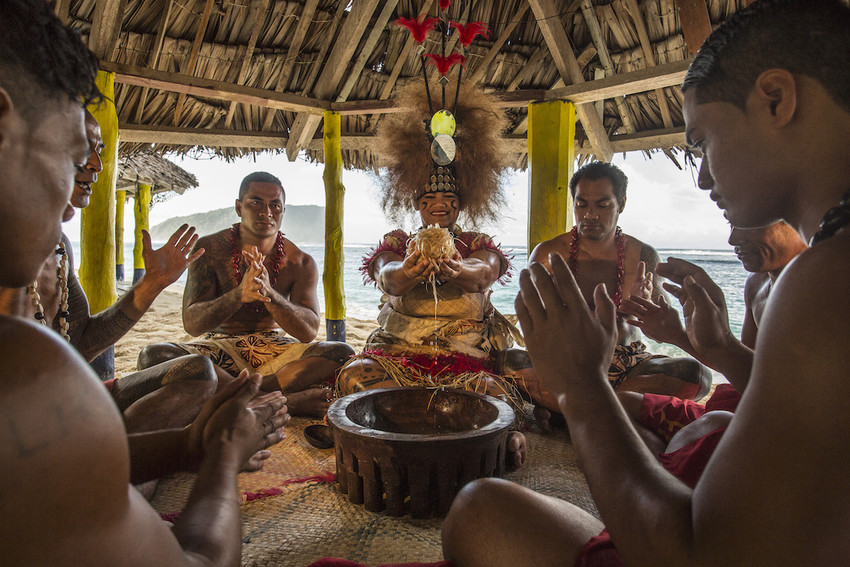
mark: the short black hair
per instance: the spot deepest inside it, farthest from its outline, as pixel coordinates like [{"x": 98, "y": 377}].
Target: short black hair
[
  {"x": 805, "y": 37},
  {"x": 597, "y": 170},
  {"x": 42, "y": 60},
  {"x": 260, "y": 177}
]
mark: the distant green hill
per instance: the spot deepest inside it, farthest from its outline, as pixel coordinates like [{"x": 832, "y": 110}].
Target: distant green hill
[{"x": 302, "y": 224}]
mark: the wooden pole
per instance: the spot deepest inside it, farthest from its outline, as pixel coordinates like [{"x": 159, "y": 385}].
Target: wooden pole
[
  {"x": 551, "y": 153},
  {"x": 97, "y": 243},
  {"x": 140, "y": 213},
  {"x": 120, "y": 199},
  {"x": 334, "y": 213}
]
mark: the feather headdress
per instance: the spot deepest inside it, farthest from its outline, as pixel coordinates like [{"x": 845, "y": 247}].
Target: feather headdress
[{"x": 403, "y": 148}]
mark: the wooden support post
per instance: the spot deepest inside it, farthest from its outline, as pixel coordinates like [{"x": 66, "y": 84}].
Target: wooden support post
[
  {"x": 120, "y": 199},
  {"x": 334, "y": 213},
  {"x": 97, "y": 243},
  {"x": 140, "y": 213},
  {"x": 551, "y": 152}
]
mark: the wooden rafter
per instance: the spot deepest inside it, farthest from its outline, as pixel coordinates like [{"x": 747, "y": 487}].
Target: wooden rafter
[
  {"x": 221, "y": 90},
  {"x": 106, "y": 25},
  {"x": 189, "y": 68},
  {"x": 135, "y": 133},
  {"x": 258, "y": 10},
  {"x": 153, "y": 59},
  {"x": 366, "y": 51},
  {"x": 696, "y": 25},
  {"x": 565, "y": 60},
  {"x": 328, "y": 84},
  {"x": 295, "y": 43},
  {"x": 607, "y": 63},
  {"x": 646, "y": 46},
  {"x": 666, "y": 75},
  {"x": 482, "y": 67}
]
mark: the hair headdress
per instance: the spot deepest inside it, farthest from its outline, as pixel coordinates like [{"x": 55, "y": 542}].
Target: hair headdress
[{"x": 458, "y": 148}]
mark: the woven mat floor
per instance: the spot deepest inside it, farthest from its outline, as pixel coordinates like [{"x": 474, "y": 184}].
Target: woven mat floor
[{"x": 292, "y": 514}]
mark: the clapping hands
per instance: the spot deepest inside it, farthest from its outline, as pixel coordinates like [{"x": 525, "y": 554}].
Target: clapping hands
[
  {"x": 166, "y": 264},
  {"x": 568, "y": 342}
]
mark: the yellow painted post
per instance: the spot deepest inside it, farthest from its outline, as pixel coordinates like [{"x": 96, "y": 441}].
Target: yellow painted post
[
  {"x": 97, "y": 244},
  {"x": 120, "y": 199},
  {"x": 334, "y": 213},
  {"x": 551, "y": 153},
  {"x": 141, "y": 208}
]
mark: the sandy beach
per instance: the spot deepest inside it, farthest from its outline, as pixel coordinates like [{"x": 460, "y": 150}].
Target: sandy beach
[{"x": 163, "y": 323}]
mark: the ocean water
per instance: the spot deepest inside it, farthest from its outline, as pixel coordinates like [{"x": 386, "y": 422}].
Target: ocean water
[{"x": 362, "y": 300}]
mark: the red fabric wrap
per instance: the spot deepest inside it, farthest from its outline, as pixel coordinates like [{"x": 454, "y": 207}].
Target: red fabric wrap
[
  {"x": 666, "y": 415},
  {"x": 467, "y": 243}
]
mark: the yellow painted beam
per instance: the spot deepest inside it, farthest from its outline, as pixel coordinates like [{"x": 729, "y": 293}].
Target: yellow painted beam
[
  {"x": 551, "y": 153},
  {"x": 141, "y": 210},
  {"x": 97, "y": 222},
  {"x": 120, "y": 199},
  {"x": 334, "y": 214}
]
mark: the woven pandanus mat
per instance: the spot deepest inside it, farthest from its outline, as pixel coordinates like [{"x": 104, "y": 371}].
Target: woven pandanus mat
[{"x": 292, "y": 514}]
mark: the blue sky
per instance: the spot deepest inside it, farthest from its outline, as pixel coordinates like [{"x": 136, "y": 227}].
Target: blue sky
[{"x": 664, "y": 207}]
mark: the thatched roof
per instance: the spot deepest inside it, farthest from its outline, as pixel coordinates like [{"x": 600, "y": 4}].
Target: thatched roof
[
  {"x": 151, "y": 169},
  {"x": 240, "y": 76}
]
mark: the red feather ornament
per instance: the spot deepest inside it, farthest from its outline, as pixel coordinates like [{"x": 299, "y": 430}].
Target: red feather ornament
[
  {"x": 444, "y": 64},
  {"x": 467, "y": 33},
  {"x": 444, "y": 4},
  {"x": 418, "y": 27}
]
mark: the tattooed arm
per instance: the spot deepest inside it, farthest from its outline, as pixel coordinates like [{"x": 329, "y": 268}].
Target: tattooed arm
[
  {"x": 91, "y": 335},
  {"x": 205, "y": 305}
]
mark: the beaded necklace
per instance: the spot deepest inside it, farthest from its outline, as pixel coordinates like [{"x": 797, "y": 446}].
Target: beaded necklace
[
  {"x": 64, "y": 313},
  {"x": 236, "y": 256},
  {"x": 620, "y": 239},
  {"x": 834, "y": 220}
]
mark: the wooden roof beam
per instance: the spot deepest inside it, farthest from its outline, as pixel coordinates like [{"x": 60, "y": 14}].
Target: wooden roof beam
[
  {"x": 135, "y": 133},
  {"x": 696, "y": 25},
  {"x": 153, "y": 60},
  {"x": 220, "y": 90},
  {"x": 482, "y": 67},
  {"x": 105, "y": 27},
  {"x": 258, "y": 9},
  {"x": 62, "y": 9},
  {"x": 368, "y": 47},
  {"x": 607, "y": 63},
  {"x": 546, "y": 13},
  {"x": 305, "y": 125},
  {"x": 189, "y": 69},
  {"x": 295, "y": 44},
  {"x": 669, "y": 74},
  {"x": 646, "y": 46}
]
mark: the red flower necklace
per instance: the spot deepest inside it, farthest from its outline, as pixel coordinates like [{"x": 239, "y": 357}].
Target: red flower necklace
[
  {"x": 236, "y": 255},
  {"x": 621, "y": 260}
]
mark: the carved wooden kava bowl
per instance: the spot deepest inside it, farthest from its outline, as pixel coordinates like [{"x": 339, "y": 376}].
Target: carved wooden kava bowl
[{"x": 412, "y": 449}]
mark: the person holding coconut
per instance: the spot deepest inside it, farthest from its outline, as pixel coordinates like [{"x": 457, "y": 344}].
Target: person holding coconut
[{"x": 437, "y": 325}]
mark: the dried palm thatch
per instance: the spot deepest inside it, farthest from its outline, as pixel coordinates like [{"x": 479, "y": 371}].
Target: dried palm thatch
[{"x": 234, "y": 77}]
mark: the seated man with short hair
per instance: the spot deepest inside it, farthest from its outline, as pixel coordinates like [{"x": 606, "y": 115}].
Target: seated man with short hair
[
  {"x": 599, "y": 252},
  {"x": 251, "y": 288}
]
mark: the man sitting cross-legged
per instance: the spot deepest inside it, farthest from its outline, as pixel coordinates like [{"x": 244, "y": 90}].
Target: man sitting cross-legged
[
  {"x": 251, "y": 287},
  {"x": 670, "y": 424},
  {"x": 65, "y": 461},
  {"x": 599, "y": 252},
  {"x": 167, "y": 395}
]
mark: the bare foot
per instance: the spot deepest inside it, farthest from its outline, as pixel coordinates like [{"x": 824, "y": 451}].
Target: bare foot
[
  {"x": 312, "y": 402},
  {"x": 517, "y": 449}
]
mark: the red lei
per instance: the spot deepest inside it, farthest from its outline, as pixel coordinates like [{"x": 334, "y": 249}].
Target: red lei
[
  {"x": 620, "y": 239},
  {"x": 236, "y": 255}
]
